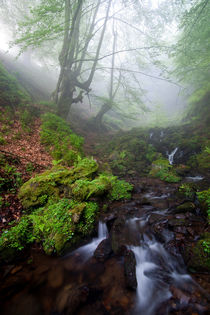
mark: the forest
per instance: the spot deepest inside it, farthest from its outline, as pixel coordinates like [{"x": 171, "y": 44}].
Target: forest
[{"x": 104, "y": 157}]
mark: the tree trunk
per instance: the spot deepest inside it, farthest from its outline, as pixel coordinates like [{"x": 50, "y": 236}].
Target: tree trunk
[{"x": 98, "y": 119}]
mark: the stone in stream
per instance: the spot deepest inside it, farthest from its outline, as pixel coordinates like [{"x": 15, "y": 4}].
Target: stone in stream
[
  {"x": 71, "y": 298},
  {"x": 186, "y": 207},
  {"x": 103, "y": 250},
  {"x": 130, "y": 270},
  {"x": 118, "y": 236}
]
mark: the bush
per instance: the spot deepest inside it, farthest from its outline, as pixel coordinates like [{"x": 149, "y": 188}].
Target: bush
[{"x": 163, "y": 170}]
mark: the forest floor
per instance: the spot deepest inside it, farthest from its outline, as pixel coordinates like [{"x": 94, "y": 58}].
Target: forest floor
[{"x": 25, "y": 157}]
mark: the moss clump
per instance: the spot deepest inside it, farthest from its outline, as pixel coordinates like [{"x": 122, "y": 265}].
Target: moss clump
[
  {"x": 54, "y": 182},
  {"x": 163, "y": 170},
  {"x": 59, "y": 139},
  {"x": 59, "y": 210},
  {"x": 204, "y": 198},
  {"x": 54, "y": 226},
  {"x": 104, "y": 183},
  {"x": 200, "y": 258}
]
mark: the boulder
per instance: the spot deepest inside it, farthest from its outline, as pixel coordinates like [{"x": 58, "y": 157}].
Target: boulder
[
  {"x": 103, "y": 251},
  {"x": 130, "y": 270}
]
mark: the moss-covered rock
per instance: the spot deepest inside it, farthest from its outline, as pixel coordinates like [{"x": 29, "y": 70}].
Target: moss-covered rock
[
  {"x": 54, "y": 225},
  {"x": 54, "y": 182},
  {"x": 199, "y": 254},
  {"x": 186, "y": 206}
]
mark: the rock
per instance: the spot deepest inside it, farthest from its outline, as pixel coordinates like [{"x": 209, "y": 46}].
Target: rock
[
  {"x": 130, "y": 270},
  {"x": 186, "y": 207},
  {"x": 16, "y": 269},
  {"x": 103, "y": 251},
  {"x": 55, "y": 276},
  {"x": 70, "y": 299},
  {"x": 118, "y": 237},
  {"x": 176, "y": 222},
  {"x": 196, "y": 255},
  {"x": 155, "y": 217}
]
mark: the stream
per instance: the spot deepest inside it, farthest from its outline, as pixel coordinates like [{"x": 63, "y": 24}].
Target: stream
[{"x": 132, "y": 266}]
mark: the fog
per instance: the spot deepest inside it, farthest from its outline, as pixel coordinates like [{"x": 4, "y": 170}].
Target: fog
[{"x": 146, "y": 92}]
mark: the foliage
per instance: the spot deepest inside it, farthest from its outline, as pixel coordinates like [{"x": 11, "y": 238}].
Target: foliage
[
  {"x": 187, "y": 190},
  {"x": 203, "y": 158},
  {"x": 163, "y": 170},
  {"x": 53, "y": 226},
  {"x": 120, "y": 189},
  {"x": 192, "y": 50},
  {"x": 10, "y": 178},
  {"x": 11, "y": 93},
  {"x": 103, "y": 184},
  {"x": 57, "y": 136},
  {"x": 204, "y": 198},
  {"x": 18, "y": 236}
]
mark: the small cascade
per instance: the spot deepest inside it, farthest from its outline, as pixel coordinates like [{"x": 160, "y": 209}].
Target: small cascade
[
  {"x": 87, "y": 250},
  {"x": 161, "y": 134},
  {"x": 171, "y": 156},
  {"x": 156, "y": 271},
  {"x": 150, "y": 135},
  {"x": 194, "y": 178}
]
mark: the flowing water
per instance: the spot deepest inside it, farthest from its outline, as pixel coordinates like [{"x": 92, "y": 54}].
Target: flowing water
[
  {"x": 80, "y": 284},
  {"x": 171, "y": 156},
  {"x": 86, "y": 251}
]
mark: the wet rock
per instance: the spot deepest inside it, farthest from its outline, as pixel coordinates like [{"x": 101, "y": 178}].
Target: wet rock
[
  {"x": 70, "y": 299},
  {"x": 176, "y": 222},
  {"x": 187, "y": 206},
  {"x": 103, "y": 251},
  {"x": 55, "y": 276},
  {"x": 155, "y": 217},
  {"x": 196, "y": 256},
  {"x": 130, "y": 270},
  {"x": 180, "y": 229},
  {"x": 24, "y": 305},
  {"x": 16, "y": 269},
  {"x": 118, "y": 237}
]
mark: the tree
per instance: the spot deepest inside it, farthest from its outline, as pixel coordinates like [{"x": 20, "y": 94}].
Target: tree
[{"x": 192, "y": 52}]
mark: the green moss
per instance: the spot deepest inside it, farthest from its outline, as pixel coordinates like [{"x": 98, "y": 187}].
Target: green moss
[
  {"x": 54, "y": 182},
  {"x": 59, "y": 139},
  {"x": 2, "y": 140},
  {"x": 163, "y": 170},
  {"x": 200, "y": 258},
  {"x": 11, "y": 93},
  {"x": 18, "y": 236},
  {"x": 187, "y": 206},
  {"x": 53, "y": 226},
  {"x": 204, "y": 198},
  {"x": 104, "y": 183},
  {"x": 187, "y": 190},
  {"x": 203, "y": 159}
]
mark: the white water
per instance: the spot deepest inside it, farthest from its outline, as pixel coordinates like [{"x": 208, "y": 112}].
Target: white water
[
  {"x": 86, "y": 251},
  {"x": 152, "y": 196},
  {"x": 194, "y": 178},
  {"x": 150, "y": 135},
  {"x": 156, "y": 271},
  {"x": 171, "y": 156}
]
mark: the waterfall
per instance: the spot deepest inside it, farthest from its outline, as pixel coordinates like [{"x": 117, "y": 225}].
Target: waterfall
[
  {"x": 86, "y": 251},
  {"x": 171, "y": 156}
]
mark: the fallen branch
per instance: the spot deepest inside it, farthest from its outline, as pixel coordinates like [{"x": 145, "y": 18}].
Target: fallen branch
[{"x": 24, "y": 158}]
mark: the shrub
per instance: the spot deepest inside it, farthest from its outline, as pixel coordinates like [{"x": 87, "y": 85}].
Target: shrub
[{"x": 163, "y": 170}]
